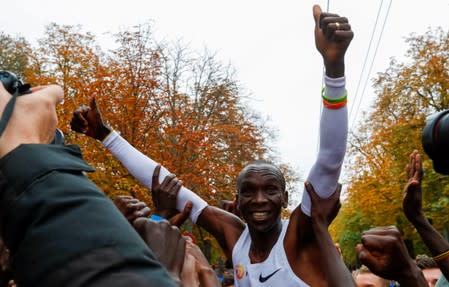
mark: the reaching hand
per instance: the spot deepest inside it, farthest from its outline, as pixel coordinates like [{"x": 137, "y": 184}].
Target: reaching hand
[
  {"x": 323, "y": 210},
  {"x": 88, "y": 121},
  {"x": 412, "y": 201},
  {"x": 131, "y": 207},
  {"x": 383, "y": 251},
  {"x": 33, "y": 120},
  {"x": 165, "y": 241},
  {"x": 229, "y": 206},
  {"x": 332, "y": 37},
  {"x": 197, "y": 270},
  {"x": 165, "y": 194},
  {"x": 179, "y": 218}
]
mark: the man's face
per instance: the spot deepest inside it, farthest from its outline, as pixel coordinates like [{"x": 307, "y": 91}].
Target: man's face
[
  {"x": 261, "y": 197},
  {"x": 369, "y": 280},
  {"x": 432, "y": 275}
]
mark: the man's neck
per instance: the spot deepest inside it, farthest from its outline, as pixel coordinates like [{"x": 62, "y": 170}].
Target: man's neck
[{"x": 263, "y": 242}]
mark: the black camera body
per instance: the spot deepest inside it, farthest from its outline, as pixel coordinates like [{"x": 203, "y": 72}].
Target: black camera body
[
  {"x": 16, "y": 87},
  {"x": 14, "y": 84},
  {"x": 435, "y": 140}
]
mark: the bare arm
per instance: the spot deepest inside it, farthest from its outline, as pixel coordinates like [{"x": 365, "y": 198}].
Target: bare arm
[
  {"x": 332, "y": 45},
  {"x": 221, "y": 224},
  {"x": 412, "y": 205},
  {"x": 332, "y": 41}
]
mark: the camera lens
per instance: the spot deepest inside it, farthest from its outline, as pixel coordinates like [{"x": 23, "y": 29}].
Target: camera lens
[{"x": 435, "y": 140}]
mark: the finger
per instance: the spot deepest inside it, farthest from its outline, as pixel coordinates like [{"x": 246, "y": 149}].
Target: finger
[
  {"x": 169, "y": 182},
  {"x": 177, "y": 187},
  {"x": 79, "y": 125},
  {"x": 407, "y": 171},
  {"x": 123, "y": 196},
  {"x": 146, "y": 212},
  {"x": 338, "y": 190},
  {"x": 329, "y": 24},
  {"x": 142, "y": 212},
  {"x": 181, "y": 250},
  {"x": 380, "y": 244},
  {"x": 382, "y": 230},
  {"x": 311, "y": 191},
  {"x": 341, "y": 35},
  {"x": 411, "y": 165},
  {"x": 418, "y": 167},
  {"x": 180, "y": 218},
  {"x": 53, "y": 93},
  {"x": 155, "y": 178},
  {"x": 139, "y": 222},
  {"x": 316, "y": 15},
  {"x": 367, "y": 258},
  {"x": 136, "y": 205}
]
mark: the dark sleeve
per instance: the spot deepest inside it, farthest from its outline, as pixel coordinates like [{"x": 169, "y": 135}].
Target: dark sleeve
[{"x": 61, "y": 230}]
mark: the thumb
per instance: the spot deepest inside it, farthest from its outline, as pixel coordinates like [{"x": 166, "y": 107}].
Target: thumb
[
  {"x": 316, "y": 14},
  {"x": 311, "y": 191},
  {"x": 179, "y": 219},
  {"x": 93, "y": 103}
]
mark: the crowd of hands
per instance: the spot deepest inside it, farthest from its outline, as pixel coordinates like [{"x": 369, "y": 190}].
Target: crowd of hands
[{"x": 382, "y": 249}]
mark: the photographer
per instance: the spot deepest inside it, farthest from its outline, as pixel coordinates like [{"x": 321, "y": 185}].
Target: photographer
[{"x": 61, "y": 230}]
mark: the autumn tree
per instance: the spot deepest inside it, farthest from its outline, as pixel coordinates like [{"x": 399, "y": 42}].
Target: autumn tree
[
  {"x": 407, "y": 92},
  {"x": 184, "y": 109},
  {"x": 14, "y": 52}
]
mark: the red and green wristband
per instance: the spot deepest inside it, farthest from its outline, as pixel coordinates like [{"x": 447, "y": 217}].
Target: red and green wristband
[{"x": 334, "y": 103}]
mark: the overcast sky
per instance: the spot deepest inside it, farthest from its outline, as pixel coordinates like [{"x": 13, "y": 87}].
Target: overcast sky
[{"x": 269, "y": 43}]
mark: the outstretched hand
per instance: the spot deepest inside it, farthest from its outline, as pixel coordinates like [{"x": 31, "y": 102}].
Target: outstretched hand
[
  {"x": 131, "y": 207},
  {"x": 88, "y": 120},
  {"x": 166, "y": 242},
  {"x": 333, "y": 35},
  {"x": 34, "y": 118},
  {"x": 196, "y": 270},
  {"x": 229, "y": 206},
  {"x": 412, "y": 201},
  {"x": 323, "y": 210},
  {"x": 165, "y": 194},
  {"x": 179, "y": 218}
]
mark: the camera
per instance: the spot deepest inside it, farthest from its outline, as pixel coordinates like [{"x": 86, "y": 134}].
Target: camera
[
  {"x": 16, "y": 87},
  {"x": 435, "y": 140},
  {"x": 13, "y": 84}
]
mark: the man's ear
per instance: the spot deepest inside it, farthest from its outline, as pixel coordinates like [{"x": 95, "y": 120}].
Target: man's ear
[{"x": 285, "y": 199}]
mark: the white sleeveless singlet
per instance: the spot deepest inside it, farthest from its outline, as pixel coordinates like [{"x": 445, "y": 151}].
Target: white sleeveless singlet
[{"x": 275, "y": 271}]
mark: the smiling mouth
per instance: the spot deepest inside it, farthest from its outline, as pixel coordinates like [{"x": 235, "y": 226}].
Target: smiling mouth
[{"x": 260, "y": 215}]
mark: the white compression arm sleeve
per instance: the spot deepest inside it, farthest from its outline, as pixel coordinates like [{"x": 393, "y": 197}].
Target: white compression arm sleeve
[
  {"x": 333, "y": 137},
  {"x": 142, "y": 168}
]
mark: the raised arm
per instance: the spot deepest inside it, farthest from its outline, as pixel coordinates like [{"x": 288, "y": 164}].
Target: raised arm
[
  {"x": 412, "y": 205},
  {"x": 88, "y": 120},
  {"x": 332, "y": 37}
]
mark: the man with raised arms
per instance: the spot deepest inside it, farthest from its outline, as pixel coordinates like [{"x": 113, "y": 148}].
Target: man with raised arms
[{"x": 266, "y": 251}]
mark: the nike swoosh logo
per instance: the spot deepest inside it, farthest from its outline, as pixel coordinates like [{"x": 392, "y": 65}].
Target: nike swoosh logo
[{"x": 263, "y": 279}]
